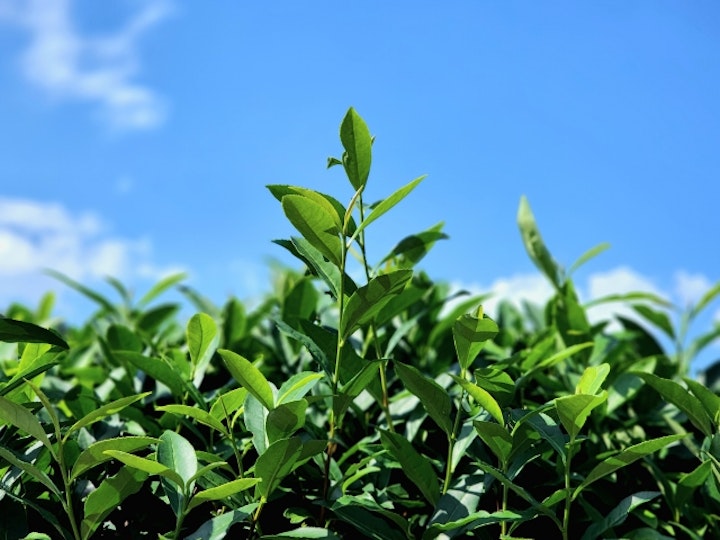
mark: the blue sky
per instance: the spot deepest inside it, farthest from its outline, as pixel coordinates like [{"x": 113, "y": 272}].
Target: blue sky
[{"x": 137, "y": 137}]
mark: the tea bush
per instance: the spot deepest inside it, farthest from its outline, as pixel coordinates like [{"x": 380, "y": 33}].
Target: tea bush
[{"x": 379, "y": 407}]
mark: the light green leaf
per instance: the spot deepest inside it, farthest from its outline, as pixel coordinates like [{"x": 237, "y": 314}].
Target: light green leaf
[
  {"x": 535, "y": 246},
  {"x": 626, "y": 457},
  {"x": 107, "y": 497},
  {"x": 386, "y": 204},
  {"x": 160, "y": 287},
  {"x": 249, "y": 377},
  {"x": 202, "y": 340},
  {"x": 415, "y": 466},
  {"x": 306, "y": 533},
  {"x": 357, "y": 142},
  {"x": 658, "y": 318},
  {"x": 708, "y": 297},
  {"x": 147, "y": 465},
  {"x": 592, "y": 379},
  {"x": 368, "y": 300},
  {"x": 482, "y": 397},
  {"x": 255, "y": 415},
  {"x": 332, "y": 206},
  {"x": 297, "y": 386},
  {"x": 222, "y": 491},
  {"x": 470, "y": 332},
  {"x": 707, "y": 397},
  {"x": 92, "y": 295},
  {"x": 574, "y": 410},
  {"x": 201, "y": 416},
  {"x": 95, "y": 453},
  {"x": 227, "y": 404},
  {"x": 682, "y": 399},
  {"x": 18, "y": 416},
  {"x": 691, "y": 482},
  {"x": 316, "y": 225},
  {"x": 103, "y": 411},
  {"x": 434, "y": 398},
  {"x": 589, "y": 254},
  {"x": 276, "y": 463},
  {"x": 175, "y": 452}
]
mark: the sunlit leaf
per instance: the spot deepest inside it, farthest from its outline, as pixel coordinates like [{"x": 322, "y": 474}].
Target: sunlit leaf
[
  {"x": 249, "y": 377},
  {"x": 357, "y": 142},
  {"x": 276, "y": 462},
  {"x": 315, "y": 224}
]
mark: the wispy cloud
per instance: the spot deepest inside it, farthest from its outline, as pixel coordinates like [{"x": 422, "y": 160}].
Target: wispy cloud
[
  {"x": 97, "y": 69},
  {"x": 38, "y": 235}
]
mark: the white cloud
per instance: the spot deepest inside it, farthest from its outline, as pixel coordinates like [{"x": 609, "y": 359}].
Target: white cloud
[
  {"x": 35, "y": 236},
  {"x": 101, "y": 70},
  {"x": 689, "y": 288}
]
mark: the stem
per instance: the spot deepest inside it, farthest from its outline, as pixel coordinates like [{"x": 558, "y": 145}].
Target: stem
[
  {"x": 68, "y": 504},
  {"x": 256, "y": 517},
  {"x": 503, "y": 524},
  {"x": 568, "y": 495},
  {"x": 452, "y": 437}
]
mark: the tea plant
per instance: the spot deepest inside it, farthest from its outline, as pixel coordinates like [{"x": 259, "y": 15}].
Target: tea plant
[{"x": 360, "y": 399}]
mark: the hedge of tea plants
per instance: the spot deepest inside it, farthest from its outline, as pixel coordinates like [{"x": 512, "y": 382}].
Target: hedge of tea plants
[{"x": 361, "y": 399}]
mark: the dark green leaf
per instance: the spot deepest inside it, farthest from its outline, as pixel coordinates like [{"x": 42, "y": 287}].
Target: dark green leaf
[
  {"x": 416, "y": 467},
  {"x": 496, "y": 437},
  {"x": 626, "y": 457},
  {"x": 217, "y": 528},
  {"x": 107, "y": 497},
  {"x": 619, "y": 514},
  {"x": 285, "y": 419},
  {"x": 157, "y": 369},
  {"x": 31, "y": 469},
  {"x": 103, "y": 411},
  {"x": 658, "y": 318},
  {"x": 12, "y": 331},
  {"x": 434, "y": 398},
  {"x": 18, "y": 416},
  {"x": 95, "y": 453}
]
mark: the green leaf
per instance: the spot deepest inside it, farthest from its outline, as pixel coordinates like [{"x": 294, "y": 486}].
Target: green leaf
[
  {"x": 223, "y": 491},
  {"x": 332, "y": 206},
  {"x": 415, "y": 466},
  {"x": 574, "y": 410},
  {"x": 92, "y": 295},
  {"x": 498, "y": 383},
  {"x": 690, "y": 483},
  {"x": 286, "y": 419},
  {"x": 368, "y": 300},
  {"x": 255, "y": 415},
  {"x": 306, "y": 533},
  {"x": 160, "y": 287},
  {"x": 147, "y": 465},
  {"x": 589, "y": 254},
  {"x": 32, "y": 470},
  {"x": 535, "y": 246},
  {"x": 708, "y": 297},
  {"x": 619, "y": 514},
  {"x": 482, "y": 397},
  {"x": 201, "y": 416},
  {"x": 362, "y": 513},
  {"x": 38, "y": 366},
  {"x": 18, "y": 416},
  {"x": 107, "y": 497},
  {"x": 249, "y": 377},
  {"x": 357, "y": 142},
  {"x": 682, "y": 399},
  {"x": 626, "y": 457},
  {"x": 122, "y": 338},
  {"x": 202, "y": 340},
  {"x": 470, "y": 332},
  {"x": 234, "y": 322},
  {"x": 297, "y": 386},
  {"x": 95, "y": 453},
  {"x": 709, "y": 400},
  {"x": 156, "y": 368},
  {"x": 276, "y": 463},
  {"x": 228, "y": 403},
  {"x": 12, "y": 331},
  {"x": 217, "y": 528},
  {"x": 176, "y": 453},
  {"x": 433, "y": 397},
  {"x": 387, "y": 204},
  {"x": 592, "y": 379},
  {"x": 411, "y": 249},
  {"x": 151, "y": 320},
  {"x": 315, "y": 224},
  {"x": 659, "y": 318},
  {"x": 496, "y": 437},
  {"x": 105, "y": 410},
  {"x": 458, "y": 502}
]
